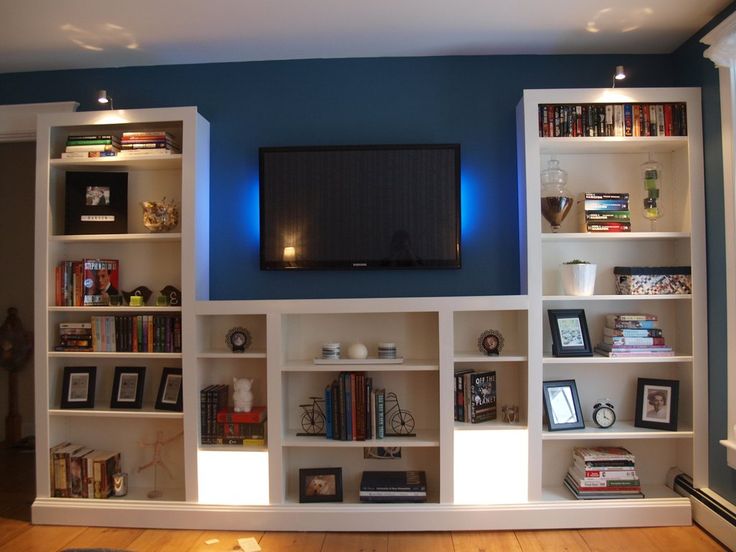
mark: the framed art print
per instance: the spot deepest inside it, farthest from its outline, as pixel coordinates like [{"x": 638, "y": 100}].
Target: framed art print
[
  {"x": 320, "y": 485},
  {"x": 170, "y": 390},
  {"x": 570, "y": 336},
  {"x": 96, "y": 203},
  {"x": 562, "y": 405},
  {"x": 78, "y": 387},
  {"x": 127, "y": 387},
  {"x": 656, "y": 403}
]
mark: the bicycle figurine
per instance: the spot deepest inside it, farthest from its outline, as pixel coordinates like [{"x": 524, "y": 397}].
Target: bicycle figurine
[
  {"x": 400, "y": 421},
  {"x": 313, "y": 417}
]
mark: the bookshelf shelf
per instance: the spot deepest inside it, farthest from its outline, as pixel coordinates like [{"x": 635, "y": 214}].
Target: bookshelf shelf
[
  {"x": 614, "y": 236},
  {"x": 92, "y": 238},
  {"x": 621, "y": 430},
  {"x": 600, "y": 359},
  {"x": 115, "y": 413},
  {"x": 424, "y": 438},
  {"x": 150, "y": 162}
]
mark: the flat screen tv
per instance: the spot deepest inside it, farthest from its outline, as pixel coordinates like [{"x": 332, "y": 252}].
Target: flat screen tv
[{"x": 360, "y": 207}]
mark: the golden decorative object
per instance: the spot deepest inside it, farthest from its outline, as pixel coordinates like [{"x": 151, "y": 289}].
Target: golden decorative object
[{"x": 160, "y": 216}]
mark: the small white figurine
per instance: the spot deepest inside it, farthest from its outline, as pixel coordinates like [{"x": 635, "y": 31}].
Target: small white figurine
[{"x": 242, "y": 395}]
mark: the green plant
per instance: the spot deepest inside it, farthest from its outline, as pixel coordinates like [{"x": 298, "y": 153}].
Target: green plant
[{"x": 576, "y": 261}]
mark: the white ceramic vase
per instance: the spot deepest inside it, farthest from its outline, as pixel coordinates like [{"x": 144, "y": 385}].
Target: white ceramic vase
[{"x": 578, "y": 279}]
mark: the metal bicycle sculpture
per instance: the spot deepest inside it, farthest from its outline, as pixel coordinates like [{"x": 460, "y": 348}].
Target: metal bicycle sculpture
[
  {"x": 400, "y": 421},
  {"x": 313, "y": 417}
]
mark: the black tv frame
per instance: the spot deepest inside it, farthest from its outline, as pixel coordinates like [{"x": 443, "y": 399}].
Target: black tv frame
[{"x": 353, "y": 264}]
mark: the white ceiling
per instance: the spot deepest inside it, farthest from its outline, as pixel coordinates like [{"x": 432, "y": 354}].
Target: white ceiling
[{"x": 68, "y": 34}]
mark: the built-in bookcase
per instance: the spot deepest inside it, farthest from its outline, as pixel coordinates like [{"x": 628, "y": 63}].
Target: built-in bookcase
[{"x": 490, "y": 475}]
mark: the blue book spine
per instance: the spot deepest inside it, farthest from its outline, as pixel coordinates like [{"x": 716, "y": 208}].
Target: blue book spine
[{"x": 328, "y": 412}]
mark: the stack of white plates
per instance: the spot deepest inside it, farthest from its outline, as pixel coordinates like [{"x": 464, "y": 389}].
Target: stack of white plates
[
  {"x": 331, "y": 350},
  {"x": 387, "y": 350}
]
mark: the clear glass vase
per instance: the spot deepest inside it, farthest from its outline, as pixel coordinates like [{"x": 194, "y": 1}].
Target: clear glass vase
[
  {"x": 651, "y": 175},
  {"x": 556, "y": 200}
]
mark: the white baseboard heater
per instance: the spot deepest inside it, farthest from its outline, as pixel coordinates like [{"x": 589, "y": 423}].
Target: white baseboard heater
[{"x": 713, "y": 513}]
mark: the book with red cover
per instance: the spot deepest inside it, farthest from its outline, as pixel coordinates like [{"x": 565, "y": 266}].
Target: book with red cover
[{"x": 255, "y": 416}]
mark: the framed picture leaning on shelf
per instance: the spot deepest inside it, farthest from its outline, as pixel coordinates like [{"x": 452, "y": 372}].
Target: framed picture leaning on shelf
[
  {"x": 78, "y": 387},
  {"x": 562, "y": 405},
  {"x": 127, "y": 387},
  {"x": 170, "y": 390},
  {"x": 320, "y": 485},
  {"x": 570, "y": 336},
  {"x": 656, "y": 403}
]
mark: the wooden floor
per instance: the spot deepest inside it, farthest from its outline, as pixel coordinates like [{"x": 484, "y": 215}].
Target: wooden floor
[{"x": 18, "y": 535}]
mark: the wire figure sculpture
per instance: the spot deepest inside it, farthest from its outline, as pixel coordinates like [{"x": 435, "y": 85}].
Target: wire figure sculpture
[{"x": 157, "y": 460}]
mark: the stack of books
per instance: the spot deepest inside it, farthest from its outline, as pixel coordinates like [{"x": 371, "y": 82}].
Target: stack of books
[
  {"x": 393, "y": 486},
  {"x": 75, "y": 336},
  {"x": 632, "y": 335},
  {"x": 355, "y": 409},
  {"x": 148, "y": 142},
  {"x": 91, "y": 145},
  {"x": 604, "y": 212},
  {"x": 78, "y": 471},
  {"x": 475, "y": 396},
  {"x": 603, "y": 472}
]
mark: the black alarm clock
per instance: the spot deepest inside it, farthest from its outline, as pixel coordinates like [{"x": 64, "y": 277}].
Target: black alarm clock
[
  {"x": 238, "y": 339},
  {"x": 603, "y": 414}
]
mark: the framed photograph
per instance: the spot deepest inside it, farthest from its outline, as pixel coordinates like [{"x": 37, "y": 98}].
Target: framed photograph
[
  {"x": 320, "y": 485},
  {"x": 96, "y": 203},
  {"x": 656, "y": 403},
  {"x": 170, "y": 390},
  {"x": 570, "y": 336},
  {"x": 562, "y": 405},
  {"x": 78, "y": 388},
  {"x": 127, "y": 387}
]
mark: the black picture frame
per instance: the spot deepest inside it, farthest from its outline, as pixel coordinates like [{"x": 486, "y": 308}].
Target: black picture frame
[
  {"x": 320, "y": 485},
  {"x": 96, "y": 203},
  {"x": 127, "y": 387},
  {"x": 656, "y": 403},
  {"x": 78, "y": 387},
  {"x": 169, "y": 396},
  {"x": 570, "y": 337},
  {"x": 562, "y": 405}
]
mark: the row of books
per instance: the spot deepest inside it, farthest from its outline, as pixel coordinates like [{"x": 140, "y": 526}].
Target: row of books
[
  {"x": 564, "y": 120},
  {"x": 603, "y": 473},
  {"x": 222, "y": 426},
  {"x": 632, "y": 335},
  {"x": 126, "y": 333},
  {"x": 393, "y": 486},
  {"x": 88, "y": 282},
  {"x": 78, "y": 471},
  {"x": 354, "y": 409},
  {"x": 131, "y": 144},
  {"x": 475, "y": 396},
  {"x": 604, "y": 212}
]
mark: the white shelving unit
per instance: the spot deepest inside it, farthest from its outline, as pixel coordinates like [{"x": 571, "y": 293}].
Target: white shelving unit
[
  {"x": 153, "y": 260},
  {"x": 611, "y": 164},
  {"x": 492, "y": 475}
]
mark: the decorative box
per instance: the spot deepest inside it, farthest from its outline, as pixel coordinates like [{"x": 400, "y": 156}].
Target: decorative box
[{"x": 653, "y": 280}]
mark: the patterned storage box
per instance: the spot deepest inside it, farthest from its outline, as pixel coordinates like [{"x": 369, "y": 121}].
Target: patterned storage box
[{"x": 653, "y": 280}]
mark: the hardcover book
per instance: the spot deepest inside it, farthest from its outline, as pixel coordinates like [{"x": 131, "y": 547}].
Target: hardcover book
[{"x": 100, "y": 281}]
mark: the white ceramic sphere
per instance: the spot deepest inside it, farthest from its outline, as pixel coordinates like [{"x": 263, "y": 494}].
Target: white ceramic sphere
[{"x": 357, "y": 350}]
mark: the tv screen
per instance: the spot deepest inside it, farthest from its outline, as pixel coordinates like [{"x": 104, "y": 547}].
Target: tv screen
[{"x": 360, "y": 207}]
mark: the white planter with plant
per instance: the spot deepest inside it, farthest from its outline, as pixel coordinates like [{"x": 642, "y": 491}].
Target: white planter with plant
[{"x": 578, "y": 277}]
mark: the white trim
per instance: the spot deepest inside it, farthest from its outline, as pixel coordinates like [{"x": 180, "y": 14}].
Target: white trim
[{"x": 18, "y": 121}]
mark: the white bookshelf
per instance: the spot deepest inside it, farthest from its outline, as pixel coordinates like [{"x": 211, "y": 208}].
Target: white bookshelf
[
  {"x": 611, "y": 164},
  {"x": 492, "y": 475}
]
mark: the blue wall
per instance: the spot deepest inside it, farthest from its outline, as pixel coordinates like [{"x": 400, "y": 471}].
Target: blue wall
[
  {"x": 695, "y": 70},
  {"x": 469, "y": 100}
]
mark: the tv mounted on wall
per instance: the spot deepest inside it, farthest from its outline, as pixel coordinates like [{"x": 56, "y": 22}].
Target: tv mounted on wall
[{"x": 360, "y": 207}]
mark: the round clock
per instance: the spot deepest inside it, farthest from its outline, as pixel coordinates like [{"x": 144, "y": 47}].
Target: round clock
[
  {"x": 603, "y": 414},
  {"x": 238, "y": 339},
  {"x": 490, "y": 342}
]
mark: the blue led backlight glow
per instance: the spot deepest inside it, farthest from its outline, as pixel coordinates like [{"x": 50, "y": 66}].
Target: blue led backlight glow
[
  {"x": 252, "y": 213},
  {"x": 470, "y": 205}
]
